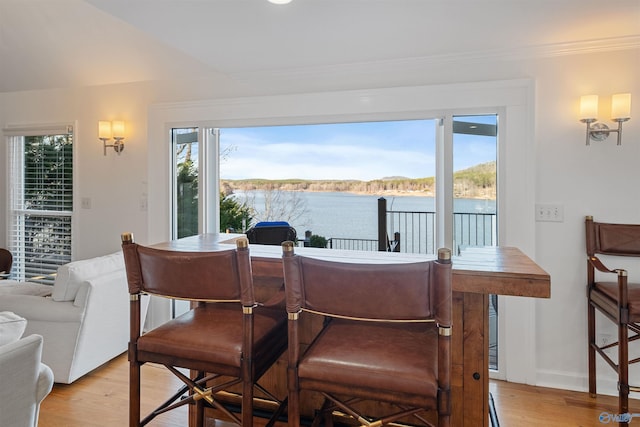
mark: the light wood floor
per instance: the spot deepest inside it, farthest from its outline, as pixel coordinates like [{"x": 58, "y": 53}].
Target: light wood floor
[{"x": 100, "y": 399}]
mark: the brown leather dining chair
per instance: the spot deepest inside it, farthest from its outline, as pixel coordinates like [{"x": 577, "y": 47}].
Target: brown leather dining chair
[
  {"x": 226, "y": 340},
  {"x": 616, "y": 298},
  {"x": 385, "y": 340},
  {"x": 6, "y": 261}
]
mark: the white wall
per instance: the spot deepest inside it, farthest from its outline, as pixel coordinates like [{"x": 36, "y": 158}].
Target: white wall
[
  {"x": 115, "y": 184},
  {"x": 601, "y": 180}
]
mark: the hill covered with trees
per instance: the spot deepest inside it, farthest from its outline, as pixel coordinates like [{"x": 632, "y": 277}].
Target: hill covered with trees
[{"x": 476, "y": 182}]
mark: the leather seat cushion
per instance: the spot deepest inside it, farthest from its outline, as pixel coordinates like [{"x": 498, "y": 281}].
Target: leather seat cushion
[
  {"x": 362, "y": 356},
  {"x": 610, "y": 289},
  {"x": 213, "y": 333}
]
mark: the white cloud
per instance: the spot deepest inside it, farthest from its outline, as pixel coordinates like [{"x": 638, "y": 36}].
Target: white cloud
[{"x": 341, "y": 156}]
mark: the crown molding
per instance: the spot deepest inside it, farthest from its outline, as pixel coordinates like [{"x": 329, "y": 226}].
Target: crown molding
[
  {"x": 586, "y": 46},
  {"x": 417, "y": 63}
]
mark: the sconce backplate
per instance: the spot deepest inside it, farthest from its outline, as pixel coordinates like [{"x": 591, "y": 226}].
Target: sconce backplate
[
  {"x": 118, "y": 146},
  {"x": 599, "y": 131}
]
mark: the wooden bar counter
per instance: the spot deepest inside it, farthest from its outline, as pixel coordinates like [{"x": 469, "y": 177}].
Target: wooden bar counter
[{"x": 477, "y": 272}]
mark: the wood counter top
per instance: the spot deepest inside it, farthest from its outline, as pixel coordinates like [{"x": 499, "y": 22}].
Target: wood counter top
[{"x": 487, "y": 270}]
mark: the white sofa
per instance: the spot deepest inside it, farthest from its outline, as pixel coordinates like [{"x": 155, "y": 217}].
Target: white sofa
[
  {"x": 25, "y": 380},
  {"x": 85, "y": 320}
]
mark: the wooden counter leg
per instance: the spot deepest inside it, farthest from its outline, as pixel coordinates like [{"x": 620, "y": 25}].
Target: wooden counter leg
[
  {"x": 470, "y": 360},
  {"x": 476, "y": 359},
  {"x": 457, "y": 360}
]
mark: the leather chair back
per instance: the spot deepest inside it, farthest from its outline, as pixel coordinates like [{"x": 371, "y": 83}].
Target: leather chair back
[{"x": 156, "y": 271}]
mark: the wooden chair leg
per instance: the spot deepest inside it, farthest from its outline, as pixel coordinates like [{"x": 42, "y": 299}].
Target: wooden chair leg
[
  {"x": 324, "y": 414},
  {"x": 328, "y": 418},
  {"x": 623, "y": 368},
  {"x": 199, "y": 414},
  {"x": 444, "y": 420},
  {"x": 134, "y": 394},
  {"x": 293, "y": 410},
  {"x": 200, "y": 419},
  {"x": 247, "y": 404},
  {"x": 591, "y": 325}
]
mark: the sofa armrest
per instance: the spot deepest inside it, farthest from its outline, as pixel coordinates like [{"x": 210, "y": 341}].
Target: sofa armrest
[
  {"x": 105, "y": 299},
  {"x": 104, "y": 332},
  {"x": 104, "y": 293},
  {"x": 45, "y": 382},
  {"x": 34, "y": 308},
  {"x": 25, "y": 381}
]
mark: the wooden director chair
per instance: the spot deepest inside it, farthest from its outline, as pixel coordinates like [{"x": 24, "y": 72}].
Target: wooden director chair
[
  {"x": 227, "y": 339},
  {"x": 6, "y": 261},
  {"x": 386, "y": 338},
  {"x": 618, "y": 300}
]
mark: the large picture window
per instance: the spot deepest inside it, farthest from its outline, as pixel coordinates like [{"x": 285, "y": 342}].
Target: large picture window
[
  {"x": 40, "y": 176},
  {"x": 328, "y": 179},
  {"x": 509, "y": 102}
]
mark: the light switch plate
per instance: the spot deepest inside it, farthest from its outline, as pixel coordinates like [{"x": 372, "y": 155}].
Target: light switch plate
[{"x": 550, "y": 213}]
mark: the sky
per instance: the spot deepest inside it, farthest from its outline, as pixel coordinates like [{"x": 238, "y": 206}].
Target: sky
[{"x": 361, "y": 151}]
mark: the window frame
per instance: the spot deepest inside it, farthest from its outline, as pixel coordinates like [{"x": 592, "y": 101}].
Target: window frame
[
  {"x": 513, "y": 99},
  {"x": 11, "y": 133}
]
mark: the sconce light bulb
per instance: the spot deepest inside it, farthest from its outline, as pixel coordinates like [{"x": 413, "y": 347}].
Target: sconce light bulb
[
  {"x": 589, "y": 108},
  {"x": 621, "y": 107},
  {"x": 104, "y": 130},
  {"x": 117, "y": 127}
]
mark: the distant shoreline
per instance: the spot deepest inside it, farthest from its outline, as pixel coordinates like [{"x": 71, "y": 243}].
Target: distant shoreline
[
  {"x": 385, "y": 193},
  {"x": 477, "y": 182}
]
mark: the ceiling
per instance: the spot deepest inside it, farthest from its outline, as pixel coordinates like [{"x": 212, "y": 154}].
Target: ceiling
[{"x": 47, "y": 44}]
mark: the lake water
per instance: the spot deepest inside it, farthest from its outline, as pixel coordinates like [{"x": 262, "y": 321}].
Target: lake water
[{"x": 348, "y": 215}]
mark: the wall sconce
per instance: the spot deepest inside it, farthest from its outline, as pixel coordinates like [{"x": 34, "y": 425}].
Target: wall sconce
[
  {"x": 620, "y": 112},
  {"x": 108, "y": 130}
]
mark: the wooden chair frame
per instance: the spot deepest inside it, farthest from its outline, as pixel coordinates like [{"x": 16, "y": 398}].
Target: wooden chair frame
[
  {"x": 6, "y": 261},
  {"x": 211, "y": 280},
  {"x": 621, "y": 240},
  {"x": 299, "y": 300}
]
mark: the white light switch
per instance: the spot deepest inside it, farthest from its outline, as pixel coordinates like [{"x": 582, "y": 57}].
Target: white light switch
[{"x": 552, "y": 213}]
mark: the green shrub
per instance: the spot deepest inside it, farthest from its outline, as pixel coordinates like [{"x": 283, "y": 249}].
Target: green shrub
[{"x": 316, "y": 241}]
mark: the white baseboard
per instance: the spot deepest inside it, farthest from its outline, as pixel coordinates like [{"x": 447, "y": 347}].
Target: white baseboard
[
  {"x": 606, "y": 382},
  {"x": 606, "y": 385}
]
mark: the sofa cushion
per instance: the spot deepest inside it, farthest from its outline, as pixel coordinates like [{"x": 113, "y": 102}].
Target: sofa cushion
[
  {"x": 12, "y": 287},
  {"x": 70, "y": 276},
  {"x": 12, "y": 327}
]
